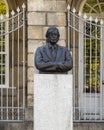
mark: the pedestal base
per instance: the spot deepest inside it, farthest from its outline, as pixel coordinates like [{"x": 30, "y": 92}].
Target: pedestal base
[{"x": 52, "y": 102}]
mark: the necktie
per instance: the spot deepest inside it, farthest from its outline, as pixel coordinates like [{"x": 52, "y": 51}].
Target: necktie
[{"x": 53, "y": 53}]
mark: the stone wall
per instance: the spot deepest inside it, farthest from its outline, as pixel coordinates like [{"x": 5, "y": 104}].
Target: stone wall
[
  {"x": 42, "y": 14},
  {"x": 89, "y": 126},
  {"x": 25, "y": 125}
]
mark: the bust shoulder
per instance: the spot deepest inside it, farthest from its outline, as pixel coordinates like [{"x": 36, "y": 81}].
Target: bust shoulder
[
  {"x": 63, "y": 48},
  {"x": 40, "y": 48}
]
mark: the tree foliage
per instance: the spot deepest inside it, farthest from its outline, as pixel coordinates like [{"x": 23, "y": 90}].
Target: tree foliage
[
  {"x": 2, "y": 7},
  {"x": 92, "y": 59}
]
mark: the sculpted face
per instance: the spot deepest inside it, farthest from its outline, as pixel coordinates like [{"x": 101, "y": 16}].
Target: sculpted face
[{"x": 52, "y": 35}]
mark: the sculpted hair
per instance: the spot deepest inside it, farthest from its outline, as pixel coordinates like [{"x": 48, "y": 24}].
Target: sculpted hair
[{"x": 50, "y": 30}]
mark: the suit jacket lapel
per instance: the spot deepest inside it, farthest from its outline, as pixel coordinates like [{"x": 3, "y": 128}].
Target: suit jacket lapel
[
  {"x": 58, "y": 52},
  {"x": 47, "y": 51}
]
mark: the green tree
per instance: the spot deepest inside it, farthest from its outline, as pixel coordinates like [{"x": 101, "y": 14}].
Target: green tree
[{"x": 2, "y": 7}]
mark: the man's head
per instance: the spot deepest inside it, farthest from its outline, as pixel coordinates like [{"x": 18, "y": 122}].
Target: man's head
[{"x": 52, "y": 35}]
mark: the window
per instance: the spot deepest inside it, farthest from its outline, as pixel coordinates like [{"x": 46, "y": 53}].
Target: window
[
  {"x": 12, "y": 65},
  {"x": 92, "y": 82},
  {"x": 91, "y": 105},
  {"x": 93, "y": 6},
  {"x": 91, "y": 58},
  {"x": 4, "y": 45},
  {"x": 87, "y": 40}
]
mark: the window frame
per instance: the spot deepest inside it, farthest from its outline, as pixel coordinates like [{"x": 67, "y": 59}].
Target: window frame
[{"x": 5, "y": 23}]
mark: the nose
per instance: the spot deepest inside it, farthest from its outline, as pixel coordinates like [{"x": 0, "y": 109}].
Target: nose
[{"x": 54, "y": 35}]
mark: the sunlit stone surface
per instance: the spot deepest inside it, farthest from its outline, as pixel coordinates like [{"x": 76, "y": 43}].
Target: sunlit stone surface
[{"x": 52, "y": 102}]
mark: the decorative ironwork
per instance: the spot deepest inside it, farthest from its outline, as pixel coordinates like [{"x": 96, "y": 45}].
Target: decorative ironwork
[
  {"x": 12, "y": 116},
  {"x": 101, "y": 0},
  {"x": 12, "y": 72},
  {"x": 85, "y": 39},
  {"x": 13, "y": 23}
]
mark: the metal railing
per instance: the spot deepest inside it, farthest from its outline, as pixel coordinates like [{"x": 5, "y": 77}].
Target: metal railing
[
  {"x": 86, "y": 41},
  {"x": 12, "y": 66}
]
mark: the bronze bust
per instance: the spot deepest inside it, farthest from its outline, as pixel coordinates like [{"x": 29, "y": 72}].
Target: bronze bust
[{"x": 52, "y": 58}]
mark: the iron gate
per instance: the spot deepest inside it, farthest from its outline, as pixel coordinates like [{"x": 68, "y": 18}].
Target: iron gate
[
  {"x": 12, "y": 66},
  {"x": 86, "y": 41}
]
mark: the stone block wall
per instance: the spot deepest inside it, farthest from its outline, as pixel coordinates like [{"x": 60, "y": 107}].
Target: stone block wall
[
  {"x": 42, "y": 14},
  {"x": 89, "y": 126},
  {"x": 26, "y": 125}
]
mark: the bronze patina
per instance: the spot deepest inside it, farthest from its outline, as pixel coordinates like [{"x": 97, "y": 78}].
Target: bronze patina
[{"x": 52, "y": 58}]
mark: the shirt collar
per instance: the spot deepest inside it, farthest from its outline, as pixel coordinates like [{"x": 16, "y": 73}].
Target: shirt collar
[{"x": 52, "y": 46}]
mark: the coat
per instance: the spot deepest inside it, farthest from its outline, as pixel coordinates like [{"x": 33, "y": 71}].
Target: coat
[{"x": 44, "y": 61}]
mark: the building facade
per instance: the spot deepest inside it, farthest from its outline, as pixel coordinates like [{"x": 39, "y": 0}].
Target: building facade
[{"x": 23, "y": 30}]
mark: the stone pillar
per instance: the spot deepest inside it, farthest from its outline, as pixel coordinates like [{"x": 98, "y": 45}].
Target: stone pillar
[
  {"x": 42, "y": 14},
  {"x": 53, "y": 102}
]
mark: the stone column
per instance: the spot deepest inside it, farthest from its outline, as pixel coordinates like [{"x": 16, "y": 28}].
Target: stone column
[{"x": 42, "y": 14}]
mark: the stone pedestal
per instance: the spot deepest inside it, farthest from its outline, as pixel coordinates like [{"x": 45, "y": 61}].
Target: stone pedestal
[{"x": 52, "y": 102}]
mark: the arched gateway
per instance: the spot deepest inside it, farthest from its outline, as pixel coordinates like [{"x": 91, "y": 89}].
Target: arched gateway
[
  {"x": 86, "y": 32},
  {"x": 12, "y": 63}
]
